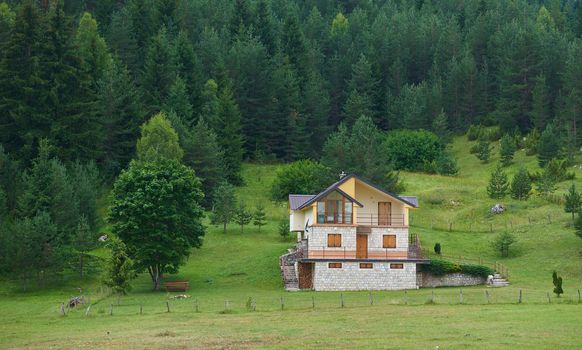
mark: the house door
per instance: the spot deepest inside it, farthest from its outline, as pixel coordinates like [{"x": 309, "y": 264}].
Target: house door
[
  {"x": 361, "y": 246},
  {"x": 305, "y": 275},
  {"x": 384, "y": 211}
]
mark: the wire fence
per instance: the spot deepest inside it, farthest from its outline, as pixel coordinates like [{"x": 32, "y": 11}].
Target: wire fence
[
  {"x": 480, "y": 225},
  {"x": 318, "y": 302}
]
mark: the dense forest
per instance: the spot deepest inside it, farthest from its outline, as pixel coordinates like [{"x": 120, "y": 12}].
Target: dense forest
[{"x": 264, "y": 80}]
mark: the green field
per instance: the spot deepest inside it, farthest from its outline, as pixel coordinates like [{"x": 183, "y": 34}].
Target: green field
[{"x": 232, "y": 267}]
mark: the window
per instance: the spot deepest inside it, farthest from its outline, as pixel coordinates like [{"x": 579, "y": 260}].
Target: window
[
  {"x": 366, "y": 265},
  {"x": 334, "y": 265},
  {"x": 320, "y": 212},
  {"x": 397, "y": 266},
  {"x": 334, "y": 209},
  {"x": 334, "y": 240},
  {"x": 389, "y": 241}
]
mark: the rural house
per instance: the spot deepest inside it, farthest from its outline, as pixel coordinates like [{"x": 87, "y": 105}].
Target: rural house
[{"x": 351, "y": 236}]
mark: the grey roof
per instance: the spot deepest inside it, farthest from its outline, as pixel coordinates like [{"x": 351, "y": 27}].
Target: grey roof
[
  {"x": 411, "y": 199},
  {"x": 297, "y": 200}
]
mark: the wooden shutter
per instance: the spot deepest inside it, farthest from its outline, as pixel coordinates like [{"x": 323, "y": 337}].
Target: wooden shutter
[
  {"x": 389, "y": 241},
  {"x": 334, "y": 240}
]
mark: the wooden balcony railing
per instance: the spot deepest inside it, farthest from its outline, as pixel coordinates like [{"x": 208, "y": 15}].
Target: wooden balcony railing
[{"x": 381, "y": 220}]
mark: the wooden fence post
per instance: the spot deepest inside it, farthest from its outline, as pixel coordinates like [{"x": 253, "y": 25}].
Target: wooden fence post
[
  {"x": 461, "y": 295},
  {"x": 549, "y": 300},
  {"x": 450, "y": 226},
  {"x": 254, "y": 304},
  {"x": 140, "y": 309},
  {"x": 371, "y": 298},
  {"x": 432, "y": 297},
  {"x": 519, "y": 300},
  {"x": 62, "y": 309},
  {"x": 313, "y": 302},
  {"x": 342, "y": 299},
  {"x": 110, "y": 309},
  {"x": 196, "y": 305},
  {"x": 487, "y": 296},
  {"x": 168, "y": 305},
  {"x": 405, "y": 297},
  {"x": 578, "y": 296},
  {"x": 282, "y": 304}
]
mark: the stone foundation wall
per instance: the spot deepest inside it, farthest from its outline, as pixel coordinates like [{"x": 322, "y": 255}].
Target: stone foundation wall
[
  {"x": 426, "y": 279},
  {"x": 351, "y": 277}
]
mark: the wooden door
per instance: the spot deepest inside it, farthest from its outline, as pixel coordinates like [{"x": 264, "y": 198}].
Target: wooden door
[
  {"x": 305, "y": 275},
  {"x": 384, "y": 213},
  {"x": 361, "y": 246}
]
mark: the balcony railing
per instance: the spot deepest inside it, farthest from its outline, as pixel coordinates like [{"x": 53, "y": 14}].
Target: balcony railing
[{"x": 381, "y": 220}]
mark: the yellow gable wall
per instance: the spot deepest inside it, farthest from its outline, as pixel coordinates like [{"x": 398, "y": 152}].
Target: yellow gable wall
[{"x": 370, "y": 197}]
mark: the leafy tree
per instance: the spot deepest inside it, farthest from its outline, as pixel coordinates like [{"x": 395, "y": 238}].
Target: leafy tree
[
  {"x": 548, "y": 146},
  {"x": 521, "y": 184},
  {"x": 506, "y": 149},
  {"x": 503, "y": 242},
  {"x": 259, "y": 216},
  {"x": 557, "y": 281},
  {"x": 159, "y": 141},
  {"x": 483, "y": 151},
  {"x": 498, "y": 183},
  {"x": 411, "y": 149},
  {"x": 156, "y": 212},
  {"x": 572, "y": 201},
  {"x": 242, "y": 216},
  {"x": 300, "y": 177},
  {"x": 223, "y": 206},
  {"x": 120, "y": 268}
]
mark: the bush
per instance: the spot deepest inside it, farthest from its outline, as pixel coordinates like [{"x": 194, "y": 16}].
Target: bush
[
  {"x": 502, "y": 243},
  {"x": 531, "y": 142},
  {"x": 300, "y": 177},
  {"x": 284, "y": 229},
  {"x": 477, "y": 270},
  {"x": 437, "y": 248},
  {"x": 447, "y": 165},
  {"x": 474, "y": 132},
  {"x": 490, "y": 134},
  {"x": 412, "y": 149}
]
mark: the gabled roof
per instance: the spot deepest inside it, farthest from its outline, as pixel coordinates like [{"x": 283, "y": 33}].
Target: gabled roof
[
  {"x": 297, "y": 200},
  {"x": 310, "y": 199}
]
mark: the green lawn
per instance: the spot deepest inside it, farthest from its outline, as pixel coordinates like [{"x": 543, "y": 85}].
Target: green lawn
[{"x": 235, "y": 266}]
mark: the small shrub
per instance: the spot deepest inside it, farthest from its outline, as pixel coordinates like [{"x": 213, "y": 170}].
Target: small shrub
[
  {"x": 434, "y": 199},
  {"x": 557, "y": 280},
  {"x": 477, "y": 270},
  {"x": 531, "y": 141},
  {"x": 284, "y": 229},
  {"x": 483, "y": 151},
  {"x": 437, "y": 248},
  {"x": 430, "y": 167},
  {"x": 440, "y": 267},
  {"x": 474, "y": 132},
  {"x": 447, "y": 165}
]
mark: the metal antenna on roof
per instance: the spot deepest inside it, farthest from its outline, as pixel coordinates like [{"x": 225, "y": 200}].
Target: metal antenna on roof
[{"x": 342, "y": 175}]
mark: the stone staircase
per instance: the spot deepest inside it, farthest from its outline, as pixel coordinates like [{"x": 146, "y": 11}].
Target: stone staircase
[
  {"x": 288, "y": 270},
  {"x": 498, "y": 281}
]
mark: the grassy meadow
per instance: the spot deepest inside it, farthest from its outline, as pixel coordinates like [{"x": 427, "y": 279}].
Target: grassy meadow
[{"x": 233, "y": 267}]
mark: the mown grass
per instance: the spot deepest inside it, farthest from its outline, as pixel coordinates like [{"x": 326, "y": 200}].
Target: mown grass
[{"x": 234, "y": 266}]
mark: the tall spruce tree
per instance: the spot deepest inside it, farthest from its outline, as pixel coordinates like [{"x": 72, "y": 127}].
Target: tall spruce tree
[
  {"x": 159, "y": 71},
  {"x": 498, "y": 183},
  {"x": 91, "y": 48},
  {"x": 521, "y": 184},
  {"x": 541, "y": 104},
  {"x": 548, "y": 146},
  {"x": 506, "y": 149},
  {"x": 223, "y": 206}
]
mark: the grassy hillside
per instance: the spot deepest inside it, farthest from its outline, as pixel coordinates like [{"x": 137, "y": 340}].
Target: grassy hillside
[{"x": 232, "y": 267}]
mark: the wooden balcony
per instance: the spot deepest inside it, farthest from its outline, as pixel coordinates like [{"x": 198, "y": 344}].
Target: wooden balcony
[{"x": 380, "y": 220}]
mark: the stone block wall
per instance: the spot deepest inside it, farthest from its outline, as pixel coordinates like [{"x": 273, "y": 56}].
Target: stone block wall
[
  {"x": 350, "y": 277},
  {"x": 426, "y": 279},
  {"x": 318, "y": 237},
  {"x": 375, "y": 239}
]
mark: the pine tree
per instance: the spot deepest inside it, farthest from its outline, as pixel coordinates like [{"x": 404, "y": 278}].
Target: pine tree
[
  {"x": 572, "y": 201},
  {"x": 483, "y": 151},
  {"x": 223, "y": 206},
  {"x": 557, "y": 281},
  {"x": 120, "y": 114},
  {"x": 506, "y": 149},
  {"x": 541, "y": 104},
  {"x": 546, "y": 184},
  {"x": 361, "y": 92},
  {"x": 265, "y": 28},
  {"x": 92, "y": 48},
  {"x": 259, "y": 216},
  {"x": 230, "y": 136},
  {"x": 120, "y": 269},
  {"x": 498, "y": 183},
  {"x": 548, "y": 146},
  {"x": 242, "y": 216},
  {"x": 521, "y": 185},
  {"x": 294, "y": 47},
  {"x": 159, "y": 72}
]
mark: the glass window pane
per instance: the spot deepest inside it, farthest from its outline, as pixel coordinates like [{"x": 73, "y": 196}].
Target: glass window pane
[
  {"x": 320, "y": 212},
  {"x": 348, "y": 210}
]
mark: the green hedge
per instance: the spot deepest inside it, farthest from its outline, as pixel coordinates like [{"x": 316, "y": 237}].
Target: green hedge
[{"x": 439, "y": 267}]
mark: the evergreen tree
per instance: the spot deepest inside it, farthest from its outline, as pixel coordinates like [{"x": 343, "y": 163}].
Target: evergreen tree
[
  {"x": 578, "y": 224},
  {"x": 230, "y": 136},
  {"x": 265, "y": 28},
  {"x": 483, "y": 151},
  {"x": 158, "y": 141},
  {"x": 541, "y": 104},
  {"x": 502, "y": 243},
  {"x": 506, "y": 149},
  {"x": 210, "y": 105},
  {"x": 498, "y": 183},
  {"x": 361, "y": 92},
  {"x": 223, "y": 207},
  {"x": 557, "y": 281},
  {"x": 572, "y": 201},
  {"x": 7, "y": 19},
  {"x": 159, "y": 71},
  {"x": 259, "y": 216},
  {"x": 120, "y": 268},
  {"x": 188, "y": 67},
  {"x": 441, "y": 128},
  {"x": 120, "y": 114},
  {"x": 178, "y": 100},
  {"x": 92, "y": 48},
  {"x": 316, "y": 109},
  {"x": 546, "y": 184},
  {"x": 241, "y": 20},
  {"x": 242, "y": 216},
  {"x": 86, "y": 182},
  {"x": 122, "y": 41},
  {"x": 521, "y": 185},
  {"x": 548, "y": 146},
  {"x": 83, "y": 242},
  {"x": 294, "y": 47}
]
